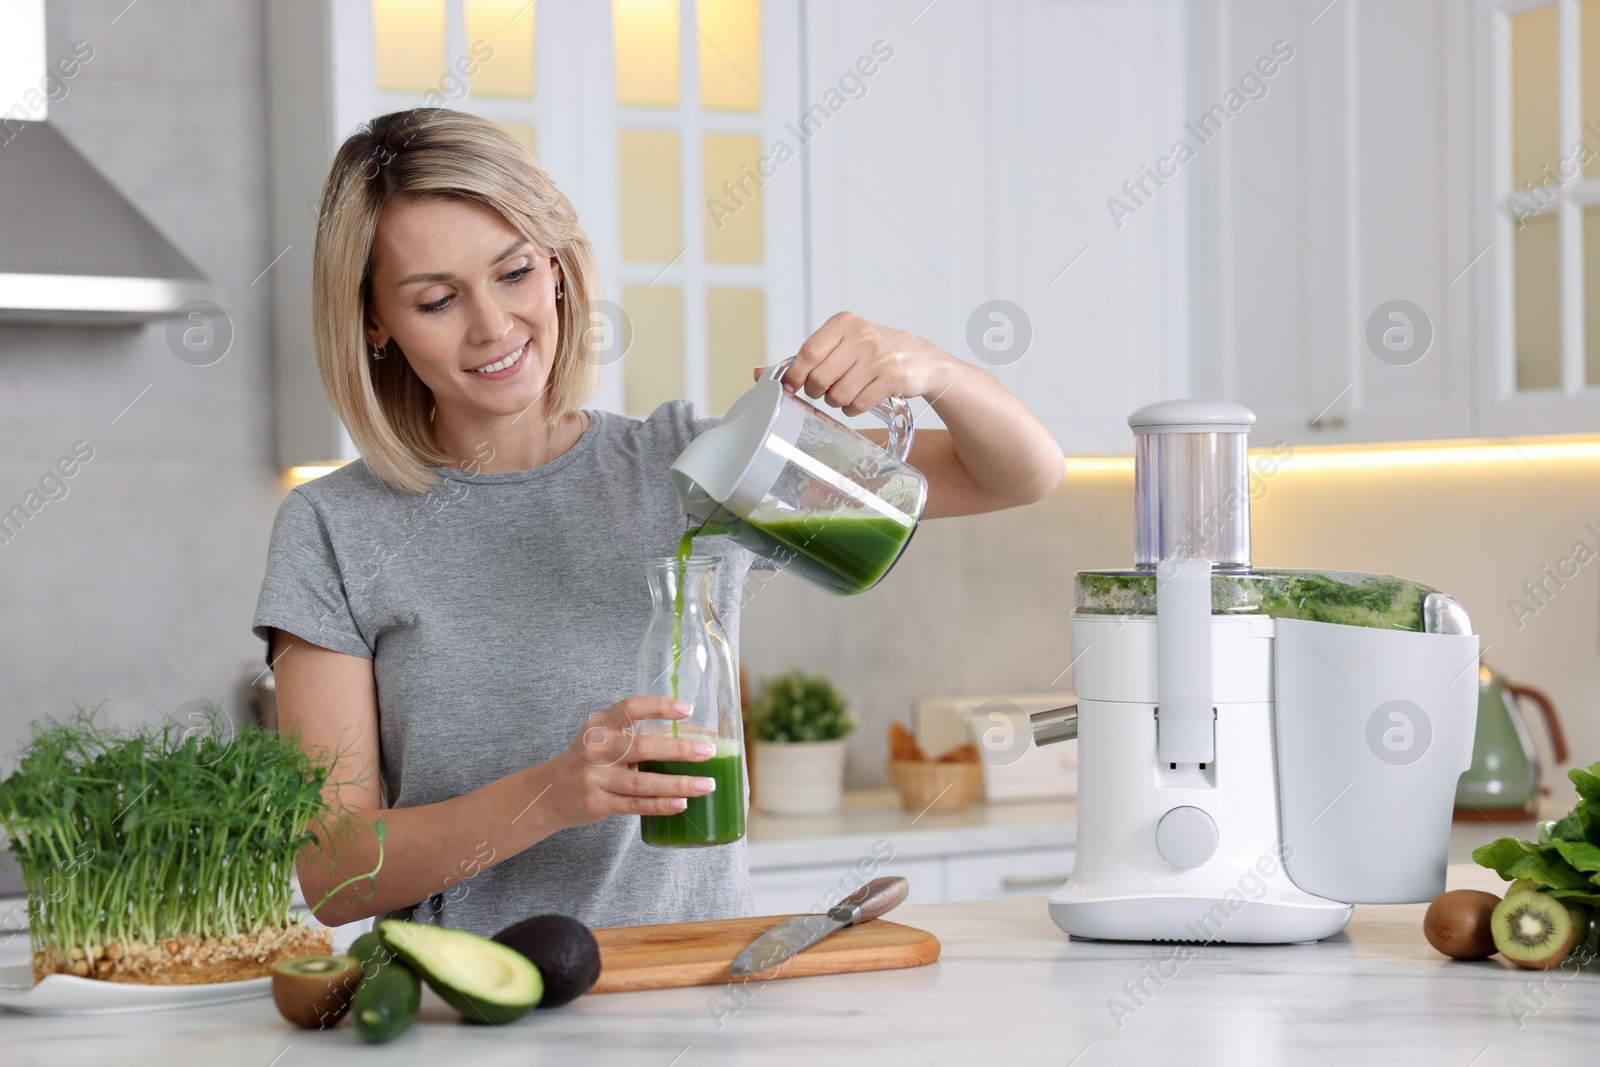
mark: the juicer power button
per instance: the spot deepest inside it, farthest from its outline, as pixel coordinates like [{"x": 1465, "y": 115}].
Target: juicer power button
[{"x": 1186, "y": 837}]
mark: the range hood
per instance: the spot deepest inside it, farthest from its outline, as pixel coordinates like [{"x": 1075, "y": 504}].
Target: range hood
[{"x": 72, "y": 249}]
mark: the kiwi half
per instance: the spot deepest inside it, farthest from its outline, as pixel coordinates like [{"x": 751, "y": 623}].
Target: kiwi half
[
  {"x": 1533, "y": 930},
  {"x": 314, "y": 992},
  {"x": 1458, "y": 924}
]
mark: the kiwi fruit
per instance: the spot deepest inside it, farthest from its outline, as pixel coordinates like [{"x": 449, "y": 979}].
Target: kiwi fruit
[
  {"x": 314, "y": 992},
  {"x": 1457, "y": 924},
  {"x": 566, "y": 953},
  {"x": 1582, "y": 921},
  {"x": 1533, "y": 930}
]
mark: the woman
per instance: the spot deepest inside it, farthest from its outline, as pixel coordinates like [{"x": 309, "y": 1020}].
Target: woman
[{"x": 456, "y": 615}]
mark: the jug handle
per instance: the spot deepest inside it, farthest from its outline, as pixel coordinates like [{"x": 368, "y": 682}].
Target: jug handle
[
  {"x": 895, "y": 411},
  {"x": 1558, "y": 740}
]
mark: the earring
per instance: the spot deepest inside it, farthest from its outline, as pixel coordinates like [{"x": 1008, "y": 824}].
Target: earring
[
  {"x": 378, "y": 352},
  {"x": 558, "y": 290}
]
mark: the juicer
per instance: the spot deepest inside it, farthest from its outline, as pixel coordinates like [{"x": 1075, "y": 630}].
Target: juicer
[{"x": 1259, "y": 750}]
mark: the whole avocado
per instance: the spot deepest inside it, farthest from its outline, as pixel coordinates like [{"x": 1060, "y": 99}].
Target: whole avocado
[{"x": 563, "y": 949}]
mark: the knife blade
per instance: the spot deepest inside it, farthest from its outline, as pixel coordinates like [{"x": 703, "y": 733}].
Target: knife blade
[{"x": 801, "y": 932}]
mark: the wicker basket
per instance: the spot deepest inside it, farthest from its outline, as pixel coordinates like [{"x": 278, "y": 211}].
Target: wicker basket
[{"x": 932, "y": 786}]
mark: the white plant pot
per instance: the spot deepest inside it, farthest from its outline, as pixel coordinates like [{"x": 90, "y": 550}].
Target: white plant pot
[{"x": 798, "y": 777}]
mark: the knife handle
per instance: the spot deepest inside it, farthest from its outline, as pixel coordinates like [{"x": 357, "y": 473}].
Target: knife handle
[{"x": 870, "y": 901}]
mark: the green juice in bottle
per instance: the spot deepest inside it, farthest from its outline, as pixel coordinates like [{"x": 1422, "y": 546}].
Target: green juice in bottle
[{"x": 716, "y": 818}]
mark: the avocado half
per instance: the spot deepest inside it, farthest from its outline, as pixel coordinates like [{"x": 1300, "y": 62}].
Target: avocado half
[{"x": 484, "y": 981}]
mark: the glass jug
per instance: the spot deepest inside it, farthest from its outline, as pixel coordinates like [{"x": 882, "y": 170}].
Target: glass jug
[
  {"x": 800, "y": 488},
  {"x": 686, "y": 655}
]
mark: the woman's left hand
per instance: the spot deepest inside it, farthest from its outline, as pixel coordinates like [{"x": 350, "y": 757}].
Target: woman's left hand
[{"x": 856, "y": 364}]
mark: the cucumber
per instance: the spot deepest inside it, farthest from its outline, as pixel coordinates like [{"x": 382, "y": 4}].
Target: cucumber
[
  {"x": 370, "y": 951},
  {"x": 386, "y": 1001}
]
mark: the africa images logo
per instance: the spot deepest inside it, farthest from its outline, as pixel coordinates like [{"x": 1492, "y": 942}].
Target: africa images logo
[{"x": 1399, "y": 732}]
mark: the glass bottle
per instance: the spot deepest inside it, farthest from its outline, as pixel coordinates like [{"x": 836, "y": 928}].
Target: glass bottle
[{"x": 686, "y": 655}]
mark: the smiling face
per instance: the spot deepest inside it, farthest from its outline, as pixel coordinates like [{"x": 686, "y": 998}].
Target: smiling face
[{"x": 470, "y": 303}]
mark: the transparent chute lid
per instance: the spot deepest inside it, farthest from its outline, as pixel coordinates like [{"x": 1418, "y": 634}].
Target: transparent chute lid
[{"x": 1192, "y": 482}]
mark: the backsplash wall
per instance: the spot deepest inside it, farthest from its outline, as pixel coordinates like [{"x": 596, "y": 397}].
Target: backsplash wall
[{"x": 981, "y": 604}]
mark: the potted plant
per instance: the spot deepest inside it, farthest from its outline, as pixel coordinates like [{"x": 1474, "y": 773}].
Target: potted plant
[{"x": 797, "y": 746}]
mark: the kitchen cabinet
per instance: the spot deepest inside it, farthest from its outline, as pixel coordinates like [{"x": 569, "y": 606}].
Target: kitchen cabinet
[
  {"x": 976, "y": 169},
  {"x": 1536, "y": 124},
  {"x": 1331, "y": 213},
  {"x": 798, "y": 890},
  {"x": 1007, "y": 874},
  {"x": 1334, "y": 246},
  {"x": 1359, "y": 241},
  {"x": 934, "y": 880},
  {"x": 910, "y": 183},
  {"x": 985, "y": 850},
  {"x": 692, "y": 203}
]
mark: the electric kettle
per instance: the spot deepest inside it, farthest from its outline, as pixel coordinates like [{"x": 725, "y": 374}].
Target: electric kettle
[
  {"x": 800, "y": 488},
  {"x": 1504, "y": 779}
]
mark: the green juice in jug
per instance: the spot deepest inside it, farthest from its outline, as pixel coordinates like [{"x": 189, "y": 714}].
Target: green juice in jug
[{"x": 844, "y": 554}]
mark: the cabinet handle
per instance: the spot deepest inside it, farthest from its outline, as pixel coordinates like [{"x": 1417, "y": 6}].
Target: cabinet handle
[{"x": 1013, "y": 882}]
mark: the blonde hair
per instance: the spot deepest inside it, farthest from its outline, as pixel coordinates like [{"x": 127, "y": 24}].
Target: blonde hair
[{"x": 420, "y": 153}]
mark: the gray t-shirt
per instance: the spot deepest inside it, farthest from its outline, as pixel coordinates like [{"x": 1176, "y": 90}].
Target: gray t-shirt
[{"x": 500, "y": 610}]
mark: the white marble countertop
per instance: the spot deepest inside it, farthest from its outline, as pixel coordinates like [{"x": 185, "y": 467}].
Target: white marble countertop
[
  {"x": 1009, "y": 989},
  {"x": 872, "y": 815}
]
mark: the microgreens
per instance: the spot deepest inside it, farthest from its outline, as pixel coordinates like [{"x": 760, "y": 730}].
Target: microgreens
[{"x": 157, "y": 832}]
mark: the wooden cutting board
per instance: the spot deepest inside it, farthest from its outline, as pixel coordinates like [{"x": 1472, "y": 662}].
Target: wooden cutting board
[{"x": 685, "y": 954}]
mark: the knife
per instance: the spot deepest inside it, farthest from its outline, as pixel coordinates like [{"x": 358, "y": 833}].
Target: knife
[{"x": 801, "y": 932}]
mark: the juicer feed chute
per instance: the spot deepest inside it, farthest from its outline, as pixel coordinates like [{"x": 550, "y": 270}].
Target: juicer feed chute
[{"x": 1191, "y": 488}]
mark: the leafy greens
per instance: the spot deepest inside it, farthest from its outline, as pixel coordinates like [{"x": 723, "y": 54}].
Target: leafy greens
[{"x": 1565, "y": 861}]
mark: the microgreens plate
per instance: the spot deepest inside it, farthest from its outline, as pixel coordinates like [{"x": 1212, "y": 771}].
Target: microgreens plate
[{"x": 67, "y": 994}]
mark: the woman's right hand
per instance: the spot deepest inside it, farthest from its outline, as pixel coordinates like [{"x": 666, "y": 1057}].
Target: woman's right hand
[{"x": 598, "y": 774}]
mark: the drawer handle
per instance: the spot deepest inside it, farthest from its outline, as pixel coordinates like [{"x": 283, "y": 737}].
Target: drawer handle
[{"x": 1049, "y": 881}]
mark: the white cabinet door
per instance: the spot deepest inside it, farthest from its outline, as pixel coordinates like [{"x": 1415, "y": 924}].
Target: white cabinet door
[
  {"x": 1332, "y": 253},
  {"x": 1008, "y": 874},
  {"x": 1538, "y": 304},
  {"x": 976, "y": 166},
  {"x": 800, "y": 890}
]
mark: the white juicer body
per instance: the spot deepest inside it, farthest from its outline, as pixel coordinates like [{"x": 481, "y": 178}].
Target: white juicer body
[
  {"x": 1131, "y": 808},
  {"x": 1245, "y": 777}
]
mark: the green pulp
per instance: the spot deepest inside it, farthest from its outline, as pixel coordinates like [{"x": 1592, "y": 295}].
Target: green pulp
[
  {"x": 1343, "y": 597},
  {"x": 713, "y": 819},
  {"x": 844, "y": 555}
]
